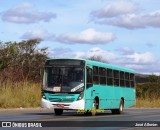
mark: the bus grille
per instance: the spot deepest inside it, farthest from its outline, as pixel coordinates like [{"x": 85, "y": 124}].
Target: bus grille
[{"x": 61, "y": 100}]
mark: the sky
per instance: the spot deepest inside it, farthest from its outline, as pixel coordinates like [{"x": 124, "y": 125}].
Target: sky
[{"x": 121, "y": 32}]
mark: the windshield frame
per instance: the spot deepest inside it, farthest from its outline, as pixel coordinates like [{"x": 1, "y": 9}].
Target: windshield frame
[{"x": 46, "y": 88}]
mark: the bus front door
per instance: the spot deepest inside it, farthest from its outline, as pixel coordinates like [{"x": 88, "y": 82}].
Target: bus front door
[{"x": 89, "y": 92}]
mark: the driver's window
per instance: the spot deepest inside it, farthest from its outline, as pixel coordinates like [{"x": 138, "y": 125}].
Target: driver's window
[{"x": 89, "y": 77}]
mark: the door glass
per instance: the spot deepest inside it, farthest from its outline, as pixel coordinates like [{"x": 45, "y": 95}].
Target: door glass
[{"x": 89, "y": 77}]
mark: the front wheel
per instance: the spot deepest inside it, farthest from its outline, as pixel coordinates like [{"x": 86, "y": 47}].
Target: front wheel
[
  {"x": 120, "y": 110},
  {"x": 95, "y": 107},
  {"x": 58, "y": 111}
]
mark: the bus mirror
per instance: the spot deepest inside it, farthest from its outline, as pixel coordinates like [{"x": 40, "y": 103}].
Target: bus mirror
[{"x": 41, "y": 71}]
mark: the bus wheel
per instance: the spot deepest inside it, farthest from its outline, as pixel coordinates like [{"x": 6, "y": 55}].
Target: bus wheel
[
  {"x": 95, "y": 107},
  {"x": 120, "y": 110},
  {"x": 58, "y": 111},
  {"x": 87, "y": 113}
]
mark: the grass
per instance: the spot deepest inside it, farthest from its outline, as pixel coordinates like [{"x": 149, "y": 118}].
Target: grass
[
  {"x": 148, "y": 103},
  {"x": 148, "y": 95},
  {"x": 27, "y": 94},
  {"x": 16, "y": 95}
]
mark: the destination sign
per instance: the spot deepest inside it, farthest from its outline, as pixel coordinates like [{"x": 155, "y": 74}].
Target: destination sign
[{"x": 65, "y": 62}]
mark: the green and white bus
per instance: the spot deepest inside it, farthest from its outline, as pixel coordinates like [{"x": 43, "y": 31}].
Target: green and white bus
[{"x": 77, "y": 84}]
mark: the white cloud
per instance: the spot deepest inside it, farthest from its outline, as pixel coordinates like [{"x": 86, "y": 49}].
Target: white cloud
[
  {"x": 61, "y": 52},
  {"x": 141, "y": 58},
  {"x": 105, "y": 55},
  {"x": 22, "y": 14},
  {"x": 133, "y": 21},
  {"x": 125, "y": 50},
  {"x": 88, "y": 36},
  {"x": 146, "y": 69},
  {"x": 124, "y": 14},
  {"x": 115, "y": 9},
  {"x": 135, "y": 59},
  {"x": 38, "y": 34},
  {"x": 144, "y": 62}
]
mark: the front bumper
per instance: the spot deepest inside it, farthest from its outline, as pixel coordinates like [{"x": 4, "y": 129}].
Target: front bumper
[{"x": 80, "y": 104}]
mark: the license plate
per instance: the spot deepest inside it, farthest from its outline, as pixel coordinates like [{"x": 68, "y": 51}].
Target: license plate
[{"x": 60, "y": 105}]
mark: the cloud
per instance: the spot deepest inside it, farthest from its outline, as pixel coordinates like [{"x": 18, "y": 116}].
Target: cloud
[
  {"x": 112, "y": 57},
  {"x": 115, "y": 9},
  {"x": 96, "y": 51},
  {"x": 135, "y": 59},
  {"x": 144, "y": 62},
  {"x": 146, "y": 69},
  {"x": 125, "y": 50},
  {"x": 88, "y": 36},
  {"x": 124, "y": 14},
  {"x": 133, "y": 21},
  {"x": 142, "y": 58},
  {"x": 23, "y": 14},
  {"x": 150, "y": 44},
  {"x": 61, "y": 52},
  {"x": 38, "y": 34}
]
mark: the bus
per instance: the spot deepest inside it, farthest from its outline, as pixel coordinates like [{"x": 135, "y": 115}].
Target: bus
[{"x": 78, "y": 84}]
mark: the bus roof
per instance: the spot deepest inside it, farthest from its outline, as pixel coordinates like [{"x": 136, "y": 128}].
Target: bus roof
[
  {"x": 107, "y": 65},
  {"x": 100, "y": 64}
]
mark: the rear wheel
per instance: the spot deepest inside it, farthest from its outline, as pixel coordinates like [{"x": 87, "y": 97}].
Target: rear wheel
[
  {"x": 58, "y": 111},
  {"x": 120, "y": 110}
]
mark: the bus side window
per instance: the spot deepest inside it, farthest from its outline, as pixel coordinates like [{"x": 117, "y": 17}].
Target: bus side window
[
  {"x": 102, "y": 72},
  {"x": 127, "y": 80},
  {"x": 109, "y": 77},
  {"x": 122, "y": 79},
  {"x": 95, "y": 75},
  {"x": 116, "y": 77},
  {"x": 132, "y": 80},
  {"x": 89, "y": 77}
]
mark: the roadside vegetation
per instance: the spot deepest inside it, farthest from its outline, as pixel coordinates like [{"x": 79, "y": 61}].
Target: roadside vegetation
[
  {"x": 20, "y": 95},
  {"x": 148, "y": 94},
  {"x": 28, "y": 94},
  {"x": 20, "y": 80}
]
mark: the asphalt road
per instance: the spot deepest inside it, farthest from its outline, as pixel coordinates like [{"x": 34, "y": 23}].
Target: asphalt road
[{"x": 106, "y": 119}]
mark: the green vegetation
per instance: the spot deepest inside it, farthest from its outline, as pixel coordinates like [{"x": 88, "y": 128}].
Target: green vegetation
[
  {"x": 20, "y": 64},
  {"x": 21, "y": 61},
  {"x": 148, "y": 94}
]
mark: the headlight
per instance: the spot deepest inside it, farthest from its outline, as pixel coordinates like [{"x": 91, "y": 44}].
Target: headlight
[{"x": 80, "y": 96}]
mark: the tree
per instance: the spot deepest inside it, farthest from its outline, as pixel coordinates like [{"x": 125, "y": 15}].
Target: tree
[
  {"x": 97, "y": 58},
  {"x": 21, "y": 61},
  {"x": 153, "y": 78}
]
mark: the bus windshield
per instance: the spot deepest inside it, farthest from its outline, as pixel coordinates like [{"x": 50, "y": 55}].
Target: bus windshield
[{"x": 64, "y": 79}]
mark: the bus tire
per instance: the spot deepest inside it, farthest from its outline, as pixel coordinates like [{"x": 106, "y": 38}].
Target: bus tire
[
  {"x": 87, "y": 113},
  {"x": 95, "y": 107},
  {"x": 120, "y": 109},
  {"x": 58, "y": 111}
]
